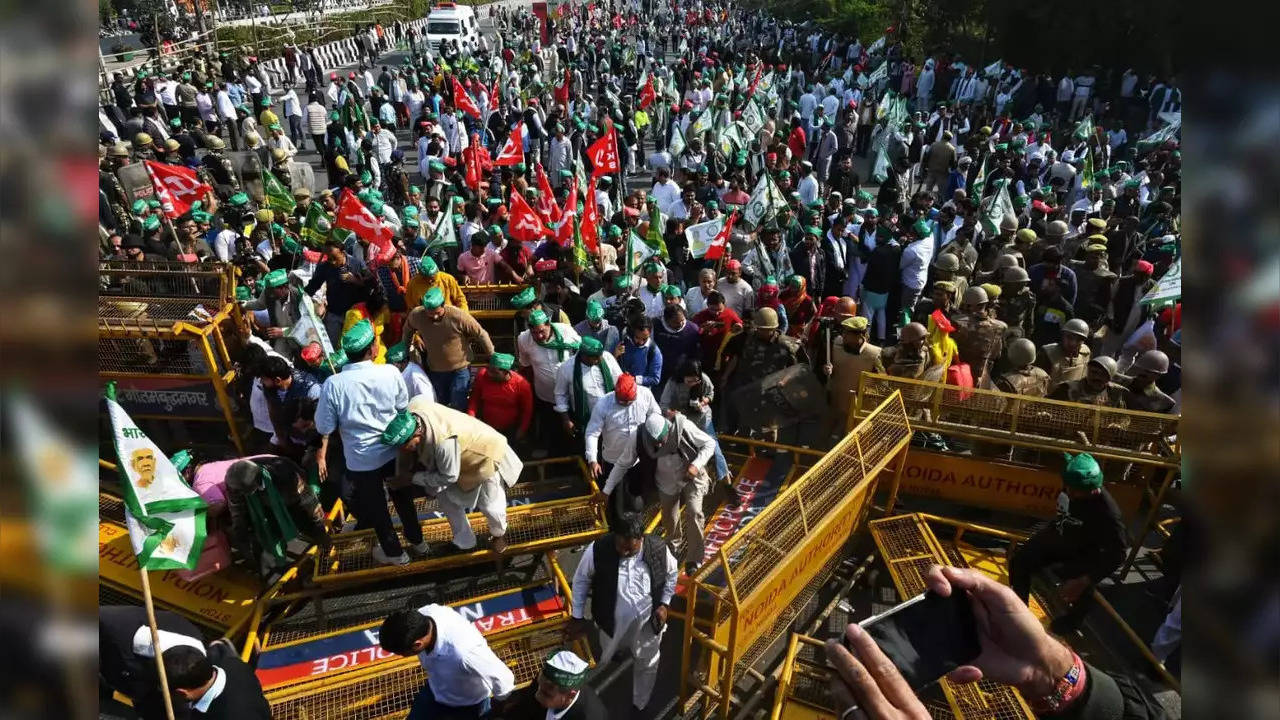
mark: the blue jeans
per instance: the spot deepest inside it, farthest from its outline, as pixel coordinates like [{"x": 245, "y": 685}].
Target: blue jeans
[
  {"x": 451, "y": 387},
  {"x": 426, "y": 707},
  {"x": 722, "y": 467}
]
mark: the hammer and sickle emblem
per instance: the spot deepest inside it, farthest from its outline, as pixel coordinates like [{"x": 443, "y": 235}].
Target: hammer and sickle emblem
[
  {"x": 363, "y": 221},
  {"x": 182, "y": 185}
]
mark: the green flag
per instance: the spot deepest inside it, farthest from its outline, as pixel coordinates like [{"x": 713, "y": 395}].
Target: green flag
[
  {"x": 996, "y": 207},
  {"x": 1086, "y": 178},
  {"x": 702, "y": 124},
  {"x": 653, "y": 238},
  {"x": 579, "y": 247},
  {"x": 278, "y": 196},
  {"x": 1084, "y": 128},
  {"x": 677, "y": 144},
  {"x": 444, "y": 234},
  {"x": 316, "y": 226}
]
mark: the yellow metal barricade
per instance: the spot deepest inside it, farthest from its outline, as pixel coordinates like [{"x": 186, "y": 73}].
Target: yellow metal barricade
[
  {"x": 804, "y": 688},
  {"x": 741, "y": 601},
  {"x": 166, "y": 333},
  {"x": 491, "y": 305}
]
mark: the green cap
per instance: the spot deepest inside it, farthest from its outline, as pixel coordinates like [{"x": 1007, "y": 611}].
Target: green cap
[
  {"x": 650, "y": 268},
  {"x": 428, "y": 267},
  {"x": 333, "y": 116},
  {"x": 670, "y": 291},
  {"x": 275, "y": 278},
  {"x": 201, "y": 216},
  {"x": 814, "y": 230},
  {"x": 622, "y": 282},
  {"x": 615, "y": 231},
  {"x": 922, "y": 229},
  {"x": 590, "y": 346},
  {"x": 239, "y": 199},
  {"x": 180, "y": 460},
  {"x": 410, "y": 211},
  {"x": 538, "y": 317},
  {"x": 502, "y": 361},
  {"x": 292, "y": 246},
  {"x": 595, "y": 311},
  {"x": 412, "y": 221},
  {"x": 139, "y": 206},
  {"x": 524, "y": 298},
  {"x": 400, "y": 429},
  {"x": 375, "y": 206},
  {"x": 338, "y": 358},
  {"x": 151, "y": 223},
  {"x": 242, "y": 294},
  {"x": 864, "y": 196},
  {"x": 397, "y": 353},
  {"x": 358, "y": 338},
  {"x": 154, "y": 203},
  {"x": 414, "y": 190},
  {"x": 436, "y": 166},
  {"x": 366, "y": 177},
  {"x": 433, "y": 298},
  {"x": 1082, "y": 472}
]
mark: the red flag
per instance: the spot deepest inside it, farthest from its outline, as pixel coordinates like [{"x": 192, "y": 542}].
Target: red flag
[
  {"x": 715, "y": 250},
  {"x": 523, "y": 223},
  {"x": 590, "y": 217},
  {"x": 562, "y": 92},
  {"x": 564, "y": 231},
  {"x": 755, "y": 81},
  {"x": 354, "y": 216},
  {"x": 496, "y": 95},
  {"x": 176, "y": 187},
  {"x": 648, "y": 94},
  {"x": 463, "y": 101},
  {"x": 547, "y": 198},
  {"x": 512, "y": 152},
  {"x": 476, "y": 160},
  {"x": 603, "y": 153}
]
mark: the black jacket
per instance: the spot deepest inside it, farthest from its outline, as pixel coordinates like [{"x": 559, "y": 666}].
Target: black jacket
[
  {"x": 241, "y": 698},
  {"x": 524, "y": 706},
  {"x": 131, "y": 674}
]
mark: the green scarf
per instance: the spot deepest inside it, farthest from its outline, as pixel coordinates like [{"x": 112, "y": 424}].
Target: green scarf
[
  {"x": 581, "y": 408},
  {"x": 275, "y": 542},
  {"x": 556, "y": 342}
]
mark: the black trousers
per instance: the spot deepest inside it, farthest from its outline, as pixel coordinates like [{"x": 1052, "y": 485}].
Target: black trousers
[
  {"x": 1042, "y": 550},
  {"x": 370, "y": 497}
]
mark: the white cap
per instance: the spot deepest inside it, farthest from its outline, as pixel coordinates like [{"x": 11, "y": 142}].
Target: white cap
[
  {"x": 142, "y": 646},
  {"x": 656, "y": 426}
]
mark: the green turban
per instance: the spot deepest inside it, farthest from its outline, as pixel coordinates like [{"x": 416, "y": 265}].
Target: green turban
[
  {"x": 151, "y": 223},
  {"x": 433, "y": 298},
  {"x": 591, "y": 347},
  {"x": 400, "y": 429},
  {"x": 538, "y": 317},
  {"x": 397, "y": 353},
  {"x": 595, "y": 311},
  {"x": 428, "y": 267}
]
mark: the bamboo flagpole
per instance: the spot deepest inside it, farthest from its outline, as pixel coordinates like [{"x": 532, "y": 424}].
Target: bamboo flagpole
[{"x": 155, "y": 642}]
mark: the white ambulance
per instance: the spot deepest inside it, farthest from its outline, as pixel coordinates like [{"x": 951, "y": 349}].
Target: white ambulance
[{"x": 450, "y": 21}]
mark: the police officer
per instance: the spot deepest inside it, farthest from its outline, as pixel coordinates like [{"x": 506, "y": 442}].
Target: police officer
[
  {"x": 980, "y": 338},
  {"x": 110, "y": 186},
  {"x": 1023, "y": 377},
  {"x": 1086, "y": 541},
  {"x": 1066, "y": 361},
  {"x": 1140, "y": 391},
  {"x": 909, "y": 358},
  {"x": 764, "y": 351},
  {"x": 217, "y": 166},
  {"x": 1017, "y": 302},
  {"x": 1095, "y": 388}
]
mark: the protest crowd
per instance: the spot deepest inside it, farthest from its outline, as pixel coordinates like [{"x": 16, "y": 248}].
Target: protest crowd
[{"x": 691, "y": 201}]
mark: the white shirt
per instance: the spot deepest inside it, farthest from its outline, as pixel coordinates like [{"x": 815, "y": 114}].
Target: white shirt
[
  {"x": 219, "y": 684},
  {"x": 166, "y": 91},
  {"x": 738, "y": 297},
  {"x": 666, "y": 193},
  {"x": 592, "y": 381},
  {"x": 384, "y": 142},
  {"x": 694, "y": 301},
  {"x": 545, "y": 361},
  {"x": 291, "y": 104},
  {"x": 416, "y": 380},
  {"x": 808, "y": 188},
  {"x": 653, "y": 304},
  {"x": 1065, "y": 89},
  {"x": 461, "y": 668},
  {"x": 614, "y": 424},
  {"x": 915, "y": 263},
  {"x": 359, "y": 402},
  {"x": 252, "y": 84},
  {"x": 634, "y": 601}
]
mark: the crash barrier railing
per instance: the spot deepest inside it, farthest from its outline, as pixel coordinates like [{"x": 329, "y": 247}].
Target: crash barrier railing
[
  {"x": 1011, "y": 419},
  {"x": 542, "y": 480},
  {"x": 491, "y": 306},
  {"x": 533, "y": 528},
  {"x": 222, "y": 603},
  {"x": 166, "y": 335},
  {"x": 1120, "y": 435},
  {"x": 909, "y": 548},
  {"x": 741, "y": 601},
  {"x": 323, "y": 650},
  {"x": 387, "y": 690}
]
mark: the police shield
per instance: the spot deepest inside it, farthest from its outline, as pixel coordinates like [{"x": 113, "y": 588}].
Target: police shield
[
  {"x": 779, "y": 399},
  {"x": 301, "y": 176},
  {"x": 136, "y": 181}
]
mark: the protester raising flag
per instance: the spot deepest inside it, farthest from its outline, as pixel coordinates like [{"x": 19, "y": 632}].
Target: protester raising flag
[
  {"x": 720, "y": 242},
  {"x": 653, "y": 236},
  {"x": 443, "y": 235},
  {"x": 176, "y": 187},
  {"x": 165, "y": 517},
  {"x": 603, "y": 153},
  {"x": 995, "y": 207},
  {"x": 354, "y": 216},
  {"x": 512, "y": 152},
  {"x": 278, "y": 196},
  {"x": 463, "y": 101},
  {"x": 703, "y": 235},
  {"x": 766, "y": 200},
  {"x": 524, "y": 224}
]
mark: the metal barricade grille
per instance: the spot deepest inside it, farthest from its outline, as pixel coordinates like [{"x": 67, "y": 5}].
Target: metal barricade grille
[
  {"x": 525, "y": 524},
  {"x": 811, "y": 684},
  {"x": 563, "y": 488},
  {"x": 151, "y": 355},
  {"x": 206, "y": 281},
  {"x": 110, "y": 507},
  {"x": 998, "y": 416},
  {"x": 345, "y": 612},
  {"x": 784, "y": 619},
  {"x": 762, "y": 546},
  {"x": 389, "y": 692},
  {"x": 108, "y": 595}
]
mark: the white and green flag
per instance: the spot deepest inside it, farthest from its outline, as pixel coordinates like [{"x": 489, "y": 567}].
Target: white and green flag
[
  {"x": 995, "y": 207},
  {"x": 443, "y": 235},
  {"x": 752, "y": 118},
  {"x": 309, "y": 329},
  {"x": 639, "y": 251},
  {"x": 729, "y": 141},
  {"x": 677, "y": 144},
  {"x": 703, "y": 123},
  {"x": 1168, "y": 289},
  {"x": 166, "y": 518},
  {"x": 766, "y": 200},
  {"x": 701, "y": 235}
]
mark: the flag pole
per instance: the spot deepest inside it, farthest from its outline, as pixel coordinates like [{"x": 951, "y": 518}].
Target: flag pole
[{"x": 155, "y": 641}]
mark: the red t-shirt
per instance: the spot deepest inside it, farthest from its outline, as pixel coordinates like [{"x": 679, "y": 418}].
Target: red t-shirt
[
  {"x": 504, "y": 406},
  {"x": 796, "y": 141},
  {"x": 710, "y": 337}
]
